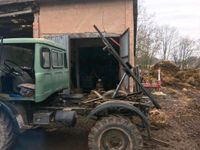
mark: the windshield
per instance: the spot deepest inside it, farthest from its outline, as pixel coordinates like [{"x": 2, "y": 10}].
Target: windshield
[{"x": 22, "y": 55}]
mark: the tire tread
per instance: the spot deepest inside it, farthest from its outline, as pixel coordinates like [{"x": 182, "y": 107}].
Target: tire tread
[
  {"x": 7, "y": 134},
  {"x": 119, "y": 120}
]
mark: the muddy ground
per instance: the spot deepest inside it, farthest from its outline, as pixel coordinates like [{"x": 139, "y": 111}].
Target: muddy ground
[
  {"x": 181, "y": 131},
  {"x": 39, "y": 139}
]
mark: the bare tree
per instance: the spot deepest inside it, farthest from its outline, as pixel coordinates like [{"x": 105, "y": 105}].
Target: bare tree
[
  {"x": 182, "y": 54},
  {"x": 148, "y": 41},
  {"x": 194, "y": 62},
  {"x": 152, "y": 39},
  {"x": 168, "y": 40},
  {"x": 197, "y": 51}
]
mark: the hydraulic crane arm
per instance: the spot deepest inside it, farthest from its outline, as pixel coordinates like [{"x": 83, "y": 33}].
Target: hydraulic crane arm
[{"x": 126, "y": 66}]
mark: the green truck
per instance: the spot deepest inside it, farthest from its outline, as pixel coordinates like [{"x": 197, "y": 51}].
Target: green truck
[{"x": 34, "y": 75}]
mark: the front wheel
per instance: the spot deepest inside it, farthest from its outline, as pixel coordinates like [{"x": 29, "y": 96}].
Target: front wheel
[
  {"x": 115, "y": 133},
  {"x": 6, "y": 131}
]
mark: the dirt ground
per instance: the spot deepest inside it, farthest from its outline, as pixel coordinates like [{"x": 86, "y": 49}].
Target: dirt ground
[{"x": 181, "y": 132}]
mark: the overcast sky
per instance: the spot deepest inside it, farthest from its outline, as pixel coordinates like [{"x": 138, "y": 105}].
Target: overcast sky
[{"x": 183, "y": 14}]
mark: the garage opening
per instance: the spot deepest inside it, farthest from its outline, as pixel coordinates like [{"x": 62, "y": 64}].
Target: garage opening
[{"x": 90, "y": 64}]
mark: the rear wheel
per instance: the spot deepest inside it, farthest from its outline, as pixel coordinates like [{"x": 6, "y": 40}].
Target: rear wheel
[
  {"x": 6, "y": 131},
  {"x": 115, "y": 133}
]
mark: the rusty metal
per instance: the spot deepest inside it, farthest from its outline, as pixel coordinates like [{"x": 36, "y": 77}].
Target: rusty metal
[{"x": 119, "y": 85}]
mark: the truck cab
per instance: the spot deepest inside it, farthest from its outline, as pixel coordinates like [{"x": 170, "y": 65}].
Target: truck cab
[{"x": 32, "y": 69}]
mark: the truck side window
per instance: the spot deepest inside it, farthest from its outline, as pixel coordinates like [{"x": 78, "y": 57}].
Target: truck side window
[
  {"x": 45, "y": 58},
  {"x": 65, "y": 60},
  {"x": 60, "y": 59},
  {"x": 57, "y": 59}
]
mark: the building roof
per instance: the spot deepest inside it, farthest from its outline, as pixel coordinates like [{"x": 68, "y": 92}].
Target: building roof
[{"x": 33, "y": 41}]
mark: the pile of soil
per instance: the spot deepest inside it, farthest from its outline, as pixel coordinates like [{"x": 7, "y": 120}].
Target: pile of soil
[
  {"x": 171, "y": 75},
  {"x": 168, "y": 70},
  {"x": 191, "y": 77},
  {"x": 167, "y": 67}
]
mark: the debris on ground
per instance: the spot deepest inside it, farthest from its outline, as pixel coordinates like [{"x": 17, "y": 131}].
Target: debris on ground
[
  {"x": 183, "y": 119},
  {"x": 171, "y": 75},
  {"x": 180, "y": 103},
  {"x": 159, "y": 93},
  {"x": 158, "y": 117},
  {"x": 167, "y": 67},
  {"x": 191, "y": 77},
  {"x": 168, "y": 70}
]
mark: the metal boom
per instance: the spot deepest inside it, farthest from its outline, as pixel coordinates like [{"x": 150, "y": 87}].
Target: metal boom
[{"x": 126, "y": 67}]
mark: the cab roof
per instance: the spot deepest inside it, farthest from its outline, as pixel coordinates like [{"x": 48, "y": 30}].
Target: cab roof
[{"x": 32, "y": 41}]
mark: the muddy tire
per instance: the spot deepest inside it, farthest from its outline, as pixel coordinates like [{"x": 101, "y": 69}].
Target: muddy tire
[
  {"x": 6, "y": 131},
  {"x": 115, "y": 133}
]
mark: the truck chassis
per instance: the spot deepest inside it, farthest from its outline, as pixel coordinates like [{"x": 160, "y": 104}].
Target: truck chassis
[{"x": 118, "y": 117}]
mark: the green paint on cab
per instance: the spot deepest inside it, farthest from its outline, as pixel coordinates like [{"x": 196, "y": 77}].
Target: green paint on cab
[{"x": 51, "y": 73}]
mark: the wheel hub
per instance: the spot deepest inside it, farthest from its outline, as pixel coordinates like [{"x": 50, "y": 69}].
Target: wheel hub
[{"x": 114, "y": 139}]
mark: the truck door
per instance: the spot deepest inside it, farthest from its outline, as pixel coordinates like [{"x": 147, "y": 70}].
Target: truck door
[
  {"x": 124, "y": 54},
  {"x": 64, "y": 41}
]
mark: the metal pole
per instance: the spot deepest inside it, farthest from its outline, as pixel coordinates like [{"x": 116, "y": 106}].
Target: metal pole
[{"x": 119, "y": 85}]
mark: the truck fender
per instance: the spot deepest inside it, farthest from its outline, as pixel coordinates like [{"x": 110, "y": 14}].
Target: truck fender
[
  {"x": 123, "y": 105},
  {"x": 118, "y": 104},
  {"x": 16, "y": 118}
]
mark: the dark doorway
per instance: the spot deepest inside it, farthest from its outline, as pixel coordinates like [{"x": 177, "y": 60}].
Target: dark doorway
[
  {"x": 89, "y": 63},
  {"x": 96, "y": 64}
]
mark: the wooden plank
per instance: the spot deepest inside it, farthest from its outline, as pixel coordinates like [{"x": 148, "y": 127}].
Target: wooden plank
[
  {"x": 7, "y": 2},
  {"x": 157, "y": 141},
  {"x": 28, "y": 11},
  {"x": 91, "y": 35},
  {"x": 160, "y": 142}
]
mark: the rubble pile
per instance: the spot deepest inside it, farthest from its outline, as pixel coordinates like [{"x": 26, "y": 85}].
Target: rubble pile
[
  {"x": 168, "y": 71},
  {"x": 171, "y": 75},
  {"x": 191, "y": 77},
  {"x": 167, "y": 67}
]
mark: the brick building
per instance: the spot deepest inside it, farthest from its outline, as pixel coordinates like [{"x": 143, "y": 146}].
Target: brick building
[{"x": 71, "y": 22}]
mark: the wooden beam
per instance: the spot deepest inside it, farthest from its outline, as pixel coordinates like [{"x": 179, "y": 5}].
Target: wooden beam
[
  {"x": 8, "y": 2},
  {"x": 15, "y": 26},
  {"x": 29, "y": 11},
  {"x": 15, "y": 21}
]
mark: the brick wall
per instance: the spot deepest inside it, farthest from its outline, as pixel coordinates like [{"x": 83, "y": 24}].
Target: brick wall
[{"x": 79, "y": 16}]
